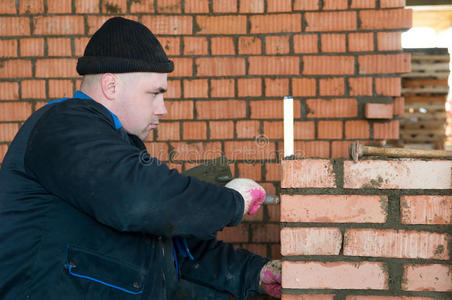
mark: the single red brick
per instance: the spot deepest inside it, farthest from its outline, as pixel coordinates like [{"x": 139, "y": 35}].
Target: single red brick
[
  {"x": 274, "y": 129},
  {"x": 333, "y": 108},
  {"x": 9, "y": 90},
  {"x": 265, "y": 233},
  {"x": 384, "y": 64},
  {"x": 389, "y": 41},
  {"x": 250, "y": 45},
  {"x": 33, "y": 89},
  {"x": 279, "y": 6},
  {"x": 250, "y": 170},
  {"x": 335, "y": 4},
  {"x": 334, "y": 208},
  {"x": 398, "y": 106},
  {"x": 361, "y": 42},
  {"x": 169, "y": 6},
  {"x": 386, "y": 130},
  {"x": 249, "y": 87},
  {"x": 29, "y": 7},
  {"x": 56, "y": 67},
  {"x": 195, "y": 45},
  {"x": 393, "y": 174},
  {"x": 59, "y": 6},
  {"x": 426, "y": 209},
  {"x": 58, "y": 25},
  {"x": 169, "y": 24},
  {"x": 14, "y": 111},
  {"x": 305, "y": 43},
  {"x": 89, "y": 6},
  {"x": 222, "y": 46},
  {"x": 332, "y": 86},
  {"x": 168, "y": 131},
  {"x": 329, "y": 130},
  {"x": 179, "y": 110},
  {"x": 221, "y": 130},
  {"x": 247, "y": 129},
  {"x": 15, "y": 68},
  {"x": 360, "y": 86},
  {"x": 333, "y": 42},
  {"x": 392, "y": 3},
  {"x": 303, "y": 87},
  {"x": 392, "y": 243},
  {"x": 143, "y": 6},
  {"x": 362, "y": 4},
  {"x": 80, "y": 45},
  {"x": 12, "y": 26},
  {"x": 310, "y": 241},
  {"x": 316, "y": 173},
  {"x": 388, "y": 86},
  {"x": 277, "y": 45},
  {"x": 306, "y": 5},
  {"x": 195, "y": 88},
  {"x": 183, "y": 67},
  {"x": 223, "y": 109},
  {"x": 8, "y": 131},
  {"x": 357, "y": 129},
  {"x": 317, "y": 149},
  {"x": 174, "y": 89},
  {"x": 196, "y": 6},
  {"x": 237, "y": 234},
  {"x": 171, "y": 45},
  {"x": 271, "y": 109},
  {"x": 224, "y": 6},
  {"x": 249, "y": 150},
  {"x": 220, "y": 66},
  {"x": 231, "y": 24},
  {"x": 428, "y": 277},
  {"x": 194, "y": 130},
  {"x": 222, "y": 88},
  {"x": 8, "y": 48},
  {"x": 328, "y": 65},
  {"x": 197, "y": 153},
  {"x": 334, "y": 275},
  {"x": 386, "y": 19},
  {"x": 259, "y": 249},
  {"x": 378, "y": 111},
  {"x": 32, "y": 47},
  {"x": 61, "y": 88},
  {"x": 158, "y": 150},
  {"x": 114, "y": 6},
  {"x": 59, "y": 47},
  {"x": 340, "y": 149},
  {"x": 8, "y": 7},
  {"x": 273, "y": 65},
  {"x": 275, "y": 23},
  {"x": 251, "y": 6},
  {"x": 276, "y": 87},
  {"x": 331, "y": 21},
  {"x": 273, "y": 173}
]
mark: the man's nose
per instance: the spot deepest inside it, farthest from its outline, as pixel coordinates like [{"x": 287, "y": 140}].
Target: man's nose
[{"x": 160, "y": 109}]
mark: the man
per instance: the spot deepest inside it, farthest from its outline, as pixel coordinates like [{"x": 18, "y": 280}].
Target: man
[{"x": 86, "y": 213}]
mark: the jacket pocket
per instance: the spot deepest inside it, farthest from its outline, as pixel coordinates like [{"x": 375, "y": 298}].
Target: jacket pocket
[{"x": 94, "y": 267}]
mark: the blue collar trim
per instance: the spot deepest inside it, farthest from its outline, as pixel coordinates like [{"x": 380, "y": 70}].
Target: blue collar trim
[{"x": 81, "y": 95}]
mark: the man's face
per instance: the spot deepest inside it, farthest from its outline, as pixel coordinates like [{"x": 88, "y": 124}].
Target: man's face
[{"x": 140, "y": 103}]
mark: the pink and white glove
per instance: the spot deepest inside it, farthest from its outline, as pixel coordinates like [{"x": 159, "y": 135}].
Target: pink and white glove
[
  {"x": 251, "y": 191},
  {"x": 270, "y": 278}
]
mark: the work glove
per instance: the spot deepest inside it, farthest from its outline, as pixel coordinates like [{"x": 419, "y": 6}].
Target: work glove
[
  {"x": 270, "y": 278},
  {"x": 253, "y": 194}
]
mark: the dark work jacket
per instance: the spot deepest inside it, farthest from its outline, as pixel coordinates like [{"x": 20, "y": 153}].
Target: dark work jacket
[{"x": 86, "y": 213}]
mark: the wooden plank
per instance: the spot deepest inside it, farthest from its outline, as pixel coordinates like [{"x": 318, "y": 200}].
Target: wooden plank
[
  {"x": 421, "y": 82},
  {"x": 428, "y": 57},
  {"x": 407, "y": 124},
  {"x": 429, "y": 106},
  {"x": 427, "y": 89},
  {"x": 435, "y": 67},
  {"x": 426, "y": 117},
  {"x": 414, "y": 99},
  {"x": 438, "y": 75}
]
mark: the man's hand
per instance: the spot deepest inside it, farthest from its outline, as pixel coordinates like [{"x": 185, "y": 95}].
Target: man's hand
[
  {"x": 270, "y": 278},
  {"x": 251, "y": 191}
]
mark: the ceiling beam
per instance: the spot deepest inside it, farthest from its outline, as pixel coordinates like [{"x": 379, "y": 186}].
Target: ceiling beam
[{"x": 428, "y": 2}]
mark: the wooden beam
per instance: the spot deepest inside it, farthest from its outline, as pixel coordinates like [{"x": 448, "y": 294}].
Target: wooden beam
[{"x": 427, "y": 2}]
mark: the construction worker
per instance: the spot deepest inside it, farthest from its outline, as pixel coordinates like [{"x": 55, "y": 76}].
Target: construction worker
[{"x": 87, "y": 213}]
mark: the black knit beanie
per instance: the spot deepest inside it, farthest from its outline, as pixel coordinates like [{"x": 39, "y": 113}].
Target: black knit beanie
[{"x": 123, "y": 46}]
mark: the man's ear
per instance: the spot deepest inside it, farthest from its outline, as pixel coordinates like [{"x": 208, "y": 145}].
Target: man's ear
[{"x": 109, "y": 83}]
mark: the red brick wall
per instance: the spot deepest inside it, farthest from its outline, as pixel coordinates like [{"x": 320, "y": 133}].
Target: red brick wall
[
  {"x": 235, "y": 60},
  {"x": 367, "y": 229}
]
